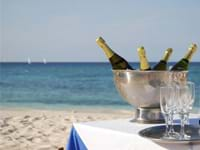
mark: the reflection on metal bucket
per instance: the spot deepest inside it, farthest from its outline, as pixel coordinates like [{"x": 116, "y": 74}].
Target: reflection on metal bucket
[{"x": 142, "y": 89}]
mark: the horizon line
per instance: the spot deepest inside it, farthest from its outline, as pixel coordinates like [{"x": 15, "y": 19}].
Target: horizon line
[{"x": 84, "y": 62}]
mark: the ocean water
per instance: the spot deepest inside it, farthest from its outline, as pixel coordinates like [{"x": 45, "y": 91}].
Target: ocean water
[{"x": 64, "y": 85}]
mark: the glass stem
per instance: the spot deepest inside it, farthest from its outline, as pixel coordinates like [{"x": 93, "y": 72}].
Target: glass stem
[
  {"x": 171, "y": 129},
  {"x": 186, "y": 118},
  {"x": 182, "y": 130},
  {"x": 167, "y": 124}
]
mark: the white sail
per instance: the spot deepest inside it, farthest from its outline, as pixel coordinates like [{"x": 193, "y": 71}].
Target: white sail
[
  {"x": 29, "y": 61},
  {"x": 44, "y": 61}
]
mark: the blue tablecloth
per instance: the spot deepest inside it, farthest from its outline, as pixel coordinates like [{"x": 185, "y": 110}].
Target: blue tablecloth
[{"x": 75, "y": 142}]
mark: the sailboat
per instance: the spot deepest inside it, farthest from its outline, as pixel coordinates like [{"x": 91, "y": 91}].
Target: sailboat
[
  {"x": 44, "y": 61},
  {"x": 29, "y": 61}
]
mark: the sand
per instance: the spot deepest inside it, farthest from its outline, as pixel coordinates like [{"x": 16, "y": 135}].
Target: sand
[{"x": 32, "y": 129}]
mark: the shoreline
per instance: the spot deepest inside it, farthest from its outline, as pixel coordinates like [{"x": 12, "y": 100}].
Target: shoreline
[
  {"x": 39, "y": 106},
  {"x": 69, "y": 109},
  {"x": 47, "y": 129}
]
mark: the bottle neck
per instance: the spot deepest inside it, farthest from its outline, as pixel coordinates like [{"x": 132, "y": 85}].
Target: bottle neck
[
  {"x": 188, "y": 56},
  {"x": 190, "y": 52},
  {"x": 108, "y": 51},
  {"x": 167, "y": 54},
  {"x": 144, "y": 65}
]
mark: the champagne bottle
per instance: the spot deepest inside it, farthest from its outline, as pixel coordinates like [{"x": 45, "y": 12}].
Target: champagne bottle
[
  {"x": 162, "y": 65},
  {"x": 116, "y": 61},
  {"x": 184, "y": 62},
  {"x": 144, "y": 64}
]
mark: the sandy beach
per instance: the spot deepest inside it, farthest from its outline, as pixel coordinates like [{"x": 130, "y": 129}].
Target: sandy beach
[{"x": 32, "y": 129}]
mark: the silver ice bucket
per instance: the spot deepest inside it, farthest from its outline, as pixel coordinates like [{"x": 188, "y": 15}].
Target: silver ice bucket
[{"x": 141, "y": 89}]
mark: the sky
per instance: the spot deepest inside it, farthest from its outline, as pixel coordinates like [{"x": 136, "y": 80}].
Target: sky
[{"x": 66, "y": 30}]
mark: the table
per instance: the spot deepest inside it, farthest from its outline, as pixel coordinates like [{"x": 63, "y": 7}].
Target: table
[{"x": 120, "y": 134}]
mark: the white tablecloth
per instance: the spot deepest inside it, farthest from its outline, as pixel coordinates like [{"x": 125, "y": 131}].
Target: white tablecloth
[{"x": 122, "y": 134}]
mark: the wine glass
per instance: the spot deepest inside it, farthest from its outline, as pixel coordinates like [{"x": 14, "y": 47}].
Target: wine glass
[
  {"x": 168, "y": 108},
  {"x": 186, "y": 94},
  {"x": 198, "y": 96},
  {"x": 197, "y": 102},
  {"x": 190, "y": 100}
]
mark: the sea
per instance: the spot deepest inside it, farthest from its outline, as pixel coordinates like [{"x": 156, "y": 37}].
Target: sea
[{"x": 65, "y": 85}]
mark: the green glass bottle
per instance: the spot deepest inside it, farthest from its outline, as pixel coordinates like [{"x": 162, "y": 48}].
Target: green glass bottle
[
  {"x": 162, "y": 64},
  {"x": 117, "y": 62},
  {"x": 144, "y": 64},
  {"x": 184, "y": 62}
]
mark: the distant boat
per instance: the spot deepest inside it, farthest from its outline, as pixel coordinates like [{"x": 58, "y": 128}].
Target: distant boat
[
  {"x": 44, "y": 61},
  {"x": 29, "y": 61}
]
